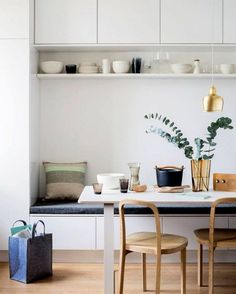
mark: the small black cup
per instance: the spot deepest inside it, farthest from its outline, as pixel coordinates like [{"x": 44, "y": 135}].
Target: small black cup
[
  {"x": 124, "y": 185},
  {"x": 136, "y": 65},
  {"x": 71, "y": 68}
]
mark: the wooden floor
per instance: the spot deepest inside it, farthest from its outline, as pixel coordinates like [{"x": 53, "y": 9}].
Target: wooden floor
[{"x": 88, "y": 278}]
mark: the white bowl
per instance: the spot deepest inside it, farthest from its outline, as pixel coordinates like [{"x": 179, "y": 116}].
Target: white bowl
[
  {"x": 120, "y": 66},
  {"x": 51, "y": 67},
  {"x": 181, "y": 68},
  {"x": 227, "y": 68},
  {"x": 110, "y": 180}
]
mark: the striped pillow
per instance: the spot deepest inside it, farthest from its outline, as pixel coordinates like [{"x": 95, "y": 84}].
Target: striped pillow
[{"x": 64, "y": 181}]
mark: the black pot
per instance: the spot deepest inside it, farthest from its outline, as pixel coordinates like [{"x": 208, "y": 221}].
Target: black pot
[{"x": 170, "y": 176}]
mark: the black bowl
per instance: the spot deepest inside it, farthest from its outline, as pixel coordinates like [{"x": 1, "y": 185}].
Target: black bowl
[{"x": 71, "y": 68}]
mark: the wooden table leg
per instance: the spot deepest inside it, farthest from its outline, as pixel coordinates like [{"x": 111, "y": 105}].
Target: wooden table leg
[{"x": 108, "y": 248}]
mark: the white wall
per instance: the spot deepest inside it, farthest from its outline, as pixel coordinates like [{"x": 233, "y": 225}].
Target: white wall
[
  {"x": 14, "y": 115},
  {"x": 101, "y": 121}
]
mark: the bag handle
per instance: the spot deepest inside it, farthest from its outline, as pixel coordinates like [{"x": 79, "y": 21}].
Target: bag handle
[
  {"x": 20, "y": 220},
  {"x": 169, "y": 166},
  {"x": 35, "y": 226}
]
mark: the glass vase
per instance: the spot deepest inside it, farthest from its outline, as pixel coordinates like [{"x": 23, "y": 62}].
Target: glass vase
[
  {"x": 200, "y": 175},
  {"x": 134, "y": 174}
]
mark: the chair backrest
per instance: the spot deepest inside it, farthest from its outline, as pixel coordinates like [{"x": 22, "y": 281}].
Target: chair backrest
[
  {"x": 212, "y": 215},
  {"x": 139, "y": 203}
]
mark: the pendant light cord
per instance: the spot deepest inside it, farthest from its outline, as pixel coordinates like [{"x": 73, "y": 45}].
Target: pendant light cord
[
  {"x": 212, "y": 65},
  {"x": 212, "y": 42}
]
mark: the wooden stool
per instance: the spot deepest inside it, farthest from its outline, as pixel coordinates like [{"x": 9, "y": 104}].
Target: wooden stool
[
  {"x": 153, "y": 243},
  {"x": 213, "y": 238}
]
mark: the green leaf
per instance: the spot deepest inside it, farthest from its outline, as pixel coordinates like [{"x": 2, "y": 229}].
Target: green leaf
[{"x": 208, "y": 156}]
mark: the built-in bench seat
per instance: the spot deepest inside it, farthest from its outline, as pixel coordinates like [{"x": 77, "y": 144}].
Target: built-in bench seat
[{"x": 43, "y": 207}]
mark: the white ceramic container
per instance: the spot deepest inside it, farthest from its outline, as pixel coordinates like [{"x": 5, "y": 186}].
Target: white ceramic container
[
  {"x": 120, "y": 66},
  {"x": 227, "y": 68},
  {"x": 51, "y": 67},
  {"x": 110, "y": 181},
  {"x": 181, "y": 68},
  {"x": 106, "y": 66}
]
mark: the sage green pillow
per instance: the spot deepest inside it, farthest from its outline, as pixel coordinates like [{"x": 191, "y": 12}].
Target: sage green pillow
[{"x": 64, "y": 181}]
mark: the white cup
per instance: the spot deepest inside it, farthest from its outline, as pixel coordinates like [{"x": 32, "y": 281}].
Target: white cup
[
  {"x": 106, "y": 66},
  {"x": 227, "y": 68}
]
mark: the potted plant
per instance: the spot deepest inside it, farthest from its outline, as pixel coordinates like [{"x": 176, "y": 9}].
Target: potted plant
[{"x": 200, "y": 153}]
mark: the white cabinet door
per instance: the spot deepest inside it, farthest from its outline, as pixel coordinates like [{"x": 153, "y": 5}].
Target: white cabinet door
[
  {"x": 133, "y": 224},
  {"x": 232, "y": 222},
  {"x": 65, "y": 21},
  {"x": 14, "y": 19},
  {"x": 70, "y": 233},
  {"x": 14, "y": 130},
  {"x": 185, "y": 226},
  {"x": 128, "y": 21},
  {"x": 191, "y": 21},
  {"x": 229, "y": 19}
]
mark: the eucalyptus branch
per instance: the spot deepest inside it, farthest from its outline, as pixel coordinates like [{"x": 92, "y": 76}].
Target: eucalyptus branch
[{"x": 176, "y": 137}]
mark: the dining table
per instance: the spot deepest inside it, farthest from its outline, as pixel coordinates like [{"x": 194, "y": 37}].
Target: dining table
[{"x": 110, "y": 198}]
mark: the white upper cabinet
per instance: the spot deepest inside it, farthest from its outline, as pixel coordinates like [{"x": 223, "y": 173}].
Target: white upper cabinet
[
  {"x": 191, "y": 21},
  {"x": 128, "y": 21},
  {"x": 14, "y": 19},
  {"x": 229, "y": 21},
  {"x": 65, "y": 21}
]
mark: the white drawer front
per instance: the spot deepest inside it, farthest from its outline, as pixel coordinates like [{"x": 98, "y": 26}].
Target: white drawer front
[
  {"x": 133, "y": 224},
  {"x": 186, "y": 225},
  {"x": 72, "y": 233}
]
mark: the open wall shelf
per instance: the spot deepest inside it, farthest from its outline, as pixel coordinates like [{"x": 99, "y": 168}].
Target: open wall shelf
[{"x": 132, "y": 76}]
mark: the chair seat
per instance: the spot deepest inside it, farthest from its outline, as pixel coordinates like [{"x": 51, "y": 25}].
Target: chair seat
[
  {"x": 225, "y": 238},
  {"x": 145, "y": 242}
]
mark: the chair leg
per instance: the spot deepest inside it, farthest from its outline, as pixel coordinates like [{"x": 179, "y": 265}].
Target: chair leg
[
  {"x": 183, "y": 271},
  {"x": 121, "y": 271},
  {"x": 200, "y": 265},
  {"x": 144, "y": 269},
  {"x": 158, "y": 274},
  {"x": 211, "y": 270}
]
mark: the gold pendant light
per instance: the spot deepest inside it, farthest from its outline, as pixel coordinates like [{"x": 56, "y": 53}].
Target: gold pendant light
[{"x": 212, "y": 102}]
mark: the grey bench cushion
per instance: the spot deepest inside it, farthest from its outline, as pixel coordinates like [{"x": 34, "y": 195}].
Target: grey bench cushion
[{"x": 43, "y": 207}]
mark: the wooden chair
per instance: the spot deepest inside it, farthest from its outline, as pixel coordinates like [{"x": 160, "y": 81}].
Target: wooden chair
[
  {"x": 150, "y": 243},
  {"x": 213, "y": 238}
]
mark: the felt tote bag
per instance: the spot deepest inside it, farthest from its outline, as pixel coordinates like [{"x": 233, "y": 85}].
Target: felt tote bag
[{"x": 30, "y": 259}]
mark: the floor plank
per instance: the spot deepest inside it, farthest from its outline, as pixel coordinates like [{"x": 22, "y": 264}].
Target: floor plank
[{"x": 73, "y": 278}]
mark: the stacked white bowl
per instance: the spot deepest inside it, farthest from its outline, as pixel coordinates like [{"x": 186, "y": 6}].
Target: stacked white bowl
[
  {"x": 181, "y": 68},
  {"x": 88, "y": 68}
]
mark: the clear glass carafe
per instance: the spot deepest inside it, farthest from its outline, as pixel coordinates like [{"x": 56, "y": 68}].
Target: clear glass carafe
[{"x": 134, "y": 174}]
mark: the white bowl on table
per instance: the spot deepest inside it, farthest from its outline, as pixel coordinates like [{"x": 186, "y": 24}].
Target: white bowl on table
[
  {"x": 110, "y": 181},
  {"x": 181, "y": 68},
  {"x": 120, "y": 66},
  {"x": 51, "y": 67}
]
